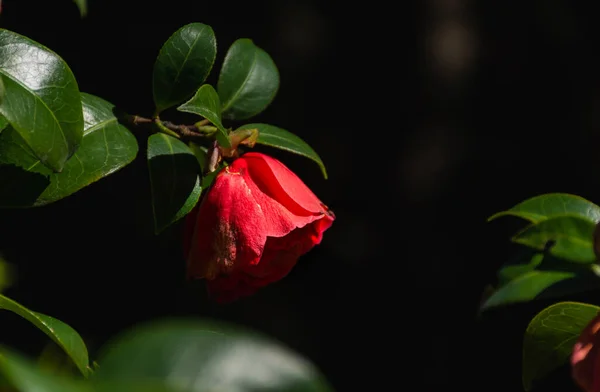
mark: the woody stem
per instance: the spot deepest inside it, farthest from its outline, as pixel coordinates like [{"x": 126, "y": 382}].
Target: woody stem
[{"x": 200, "y": 130}]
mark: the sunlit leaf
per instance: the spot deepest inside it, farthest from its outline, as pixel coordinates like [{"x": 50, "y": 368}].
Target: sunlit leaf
[
  {"x": 551, "y": 205},
  {"x": 550, "y": 336},
  {"x": 41, "y": 99},
  {"x": 273, "y": 136},
  {"x": 107, "y": 146},
  {"x": 206, "y": 103},
  {"x": 567, "y": 237},
  {"x": 62, "y": 334},
  {"x": 184, "y": 62},
  {"x": 248, "y": 80}
]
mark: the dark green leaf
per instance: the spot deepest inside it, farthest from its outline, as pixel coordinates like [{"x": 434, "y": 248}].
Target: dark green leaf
[
  {"x": 183, "y": 64},
  {"x": 551, "y": 205},
  {"x": 41, "y": 99},
  {"x": 3, "y": 123},
  {"x": 6, "y": 274},
  {"x": 248, "y": 80},
  {"x": 23, "y": 375},
  {"x": 569, "y": 238},
  {"x": 208, "y": 178},
  {"x": 107, "y": 146},
  {"x": 174, "y": 177},
  {"x": 525, "y": 261},
  {"x": 65, "y": 336},
  {"x": 206, "y": 103},
  {"x": 526, "y": 287},
  {"x": 201, "y": 154},
  {"x": 550, "y": 337},
  {"x": 270, "y": 135},
  {"x": 198, "y": 356},
  {"x": 82, "y": 5}
]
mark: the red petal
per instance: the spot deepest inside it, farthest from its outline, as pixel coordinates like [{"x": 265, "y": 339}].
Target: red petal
[
  {"x": 233, "y": 223},
  {"x": 252, "y": 226},
  {"x": 281, "y": 184},
  {"x": 278, "y": 258}
]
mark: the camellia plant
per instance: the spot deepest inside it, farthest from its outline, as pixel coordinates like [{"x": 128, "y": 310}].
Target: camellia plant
[
  {"x": 248, "y": 218},
  {"x": 559, "y": 249}
]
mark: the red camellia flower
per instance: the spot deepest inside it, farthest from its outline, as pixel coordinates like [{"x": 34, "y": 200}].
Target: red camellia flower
[
  {"x": 585, "y": 360},
  {"x": 251, "y": 227}
]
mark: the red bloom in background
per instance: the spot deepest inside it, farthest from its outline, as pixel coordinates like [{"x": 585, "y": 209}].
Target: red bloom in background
[
  {"x": 250, "y": 229},
  {"x": 585, "y": 363}
]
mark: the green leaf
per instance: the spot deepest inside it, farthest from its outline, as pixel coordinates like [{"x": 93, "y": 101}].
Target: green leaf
[
  {"x": 569, "y": 238},
  {"x": 248, "y": 80},
  {"x": 3, "y": 123},
  {"x": 525, "y": 261},
  {"x": 82, "y": 5},
  {"x": 526, "y": 287},
  {"x": 201, "y": 154},
  {"x": 41, "y": 99},
  {"x": 206, "y": 103},
  {"x": 107, "y": 146},
  {"x": 183, "y": 64},
  {"x": 6, "y": 274},
  {"x": 273, "y": 136},
  {"x": 551, "y": 205},
  {"x": 1, "y": 82},
  {"x": 62, "y": 334},
  {"x": 199, "y": 356},
  {"x": 174, "y": 178},
  {"x": 23, "y": 375},
  {"x": 550, "y": 337}
]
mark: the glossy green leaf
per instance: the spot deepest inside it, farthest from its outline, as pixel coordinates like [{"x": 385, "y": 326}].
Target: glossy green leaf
[
  {"x": 551, "y": 205},
  {"x": 23, "y": 375},
  {"x": 273, "y": 136},
  {"x": 248, "y": 80},
  {"x": 569, "y": 238},
  {"x": 107, "y": 146},
  {"x": 183, "y": 64},
  {"x": 535, "y": 275},
  {"x": 206, "y": 103},
  {"x": 174, "y": 178},
  {"x": 550, "y": 337},
  {"x": 199, "y": 356},
  {"x": 41, "y": 99},
  {"x": 62, "y": 334},
  {"x": 82, "y": 5},
  {"x": 525, "y": 287}
]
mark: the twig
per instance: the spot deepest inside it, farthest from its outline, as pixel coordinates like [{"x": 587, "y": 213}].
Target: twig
[{"x": 197, "y": 131}]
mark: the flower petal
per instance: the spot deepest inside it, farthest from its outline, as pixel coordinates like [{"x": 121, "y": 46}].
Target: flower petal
[{"x": 281, "y": 184}]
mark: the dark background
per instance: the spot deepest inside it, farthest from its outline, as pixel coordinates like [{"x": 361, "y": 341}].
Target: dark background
[{"x": 430, "y": 116}]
